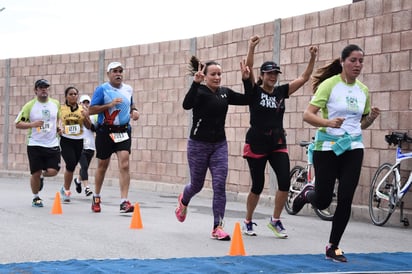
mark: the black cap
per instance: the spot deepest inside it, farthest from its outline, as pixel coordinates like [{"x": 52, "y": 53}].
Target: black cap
[
  {"x": 41, "y": 83},
  {"x": 270, "y": 66}
]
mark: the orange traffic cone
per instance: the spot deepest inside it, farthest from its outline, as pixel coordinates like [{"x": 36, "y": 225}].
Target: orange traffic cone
[
  {"x": 136, "y": 222},
  {"x": 57, "y": 206},
  {"x": 237, "y": 248}
]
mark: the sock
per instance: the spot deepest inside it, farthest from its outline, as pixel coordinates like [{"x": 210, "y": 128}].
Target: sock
[
  {"x": 273, "y": 219},
  {"x": 35, "y": 196},
  {"x": 123, "y": 200}
]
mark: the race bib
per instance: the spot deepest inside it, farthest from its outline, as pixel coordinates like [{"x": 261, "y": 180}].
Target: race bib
[
  {"x": 118, "y": 137},
  {"x": 72, "y": 129},
  {"x": 45, "y": 128}
]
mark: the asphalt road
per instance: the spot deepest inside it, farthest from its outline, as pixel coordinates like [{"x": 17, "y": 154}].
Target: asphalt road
[{"x": 34, "y": 234}]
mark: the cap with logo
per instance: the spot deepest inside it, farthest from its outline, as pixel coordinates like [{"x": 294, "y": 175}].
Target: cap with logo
[
  {"x": 41, "y": 83},
  {"x": 113, "y": 65},
  {"x": 270, "y": 66},
  {"x": 85, "y": 98}
]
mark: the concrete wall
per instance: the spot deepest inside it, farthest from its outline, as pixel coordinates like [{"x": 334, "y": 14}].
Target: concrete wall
[{"x": 158, "y": 73}]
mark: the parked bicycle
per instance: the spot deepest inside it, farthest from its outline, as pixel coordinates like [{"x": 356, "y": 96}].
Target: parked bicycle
[
  {"x": 299, "y": 177},
  {"x": 387, "y": 189}
]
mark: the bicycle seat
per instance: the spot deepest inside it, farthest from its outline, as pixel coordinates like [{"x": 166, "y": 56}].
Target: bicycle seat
[{"x": 304, "y": 143}]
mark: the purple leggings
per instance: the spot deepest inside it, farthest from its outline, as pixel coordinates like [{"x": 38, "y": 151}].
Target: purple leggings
[{"x": 213, "y": 156}]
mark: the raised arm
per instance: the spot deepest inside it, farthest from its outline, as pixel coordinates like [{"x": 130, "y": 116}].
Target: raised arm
[
  {"x": 253, "y": 41},
  {"x": 302, "y": 79}
]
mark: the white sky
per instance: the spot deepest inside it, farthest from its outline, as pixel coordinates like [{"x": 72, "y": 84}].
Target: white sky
[{"x": 45, "y": 27}]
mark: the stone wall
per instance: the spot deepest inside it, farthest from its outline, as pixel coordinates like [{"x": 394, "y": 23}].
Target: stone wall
[{"x": 158, "y": 73}]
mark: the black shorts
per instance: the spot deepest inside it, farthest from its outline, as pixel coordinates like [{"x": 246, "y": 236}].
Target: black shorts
[
  {"x": 105, "y": 146},
  {"x": 42, "y": 158}
]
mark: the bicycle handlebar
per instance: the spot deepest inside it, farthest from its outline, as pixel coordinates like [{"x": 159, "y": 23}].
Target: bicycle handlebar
[{"x": 396, "y": 138}]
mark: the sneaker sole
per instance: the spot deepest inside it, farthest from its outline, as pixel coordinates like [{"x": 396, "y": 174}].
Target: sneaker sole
[
  {"x": 179, "y": 217},
  {"x": 37, "y": 205},
  {"x": 96, "y": 211},
  {"x": 227, "y": 238},
  {"x": 249, "y": 233},
  {"x": 277, "y": 234}
]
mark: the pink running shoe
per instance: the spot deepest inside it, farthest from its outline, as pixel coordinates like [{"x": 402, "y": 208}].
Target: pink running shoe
[
  {"x": 181, "y": 210},
  {"x": 219, "y": 234}
]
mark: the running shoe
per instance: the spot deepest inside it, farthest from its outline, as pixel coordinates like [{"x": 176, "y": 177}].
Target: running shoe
[
  {"x": 219, "y": 234},
  {"x": 335, "y": 254},
  {"x": 300, "y": 200},
  {"x": 78, "y": 185},
  {"x": 247, "y": 228},
  {"x": 96, "y": 204},
  {"x": 88, "y": 191},
  {"x": 41, "y": 183},
  {"x": 278, "y": 229},
  {"x": 65, "y": 194},
  {"x": 126, "y": 207},
  {"x": 181, "y": 210},
  {"x": 37, "y": 202}
]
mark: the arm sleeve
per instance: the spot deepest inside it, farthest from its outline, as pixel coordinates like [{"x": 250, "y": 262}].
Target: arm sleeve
[
  {"x": 248, "y": 86},
  {"x": 236, "y": 98},
  {"x": 190, "y": 98}
]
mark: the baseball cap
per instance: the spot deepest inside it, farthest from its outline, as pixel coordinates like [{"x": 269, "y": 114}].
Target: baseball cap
[
  {"x": 42, "y": 83},
  {"x": 113, "y": 65},
  {"x": 85, "y": 98},
  {"x": 270, "y": 66}
]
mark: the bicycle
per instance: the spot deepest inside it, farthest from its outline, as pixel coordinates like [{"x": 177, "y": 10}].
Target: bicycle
[
  {"x": 299, "y": 177},
  {"x": 387, "y": 189}
]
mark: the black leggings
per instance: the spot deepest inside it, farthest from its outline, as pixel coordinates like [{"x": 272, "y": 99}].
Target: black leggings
[
  {"x": 329, "y": 167},
  {"x": 279, "y": 161},
  {"x": 85, "y": 159}
]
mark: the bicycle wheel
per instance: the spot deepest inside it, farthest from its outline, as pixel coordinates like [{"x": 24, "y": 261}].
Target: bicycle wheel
[
  {"x": 327, "y": 213},
  {"x": 297, "y": 181},
  {"x": 380, "y": 208}
]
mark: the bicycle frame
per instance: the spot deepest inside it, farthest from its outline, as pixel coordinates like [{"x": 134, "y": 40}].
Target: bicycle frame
[
  {"x": 387, "y": 187},
  {"x": 400, "y": 191}
]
